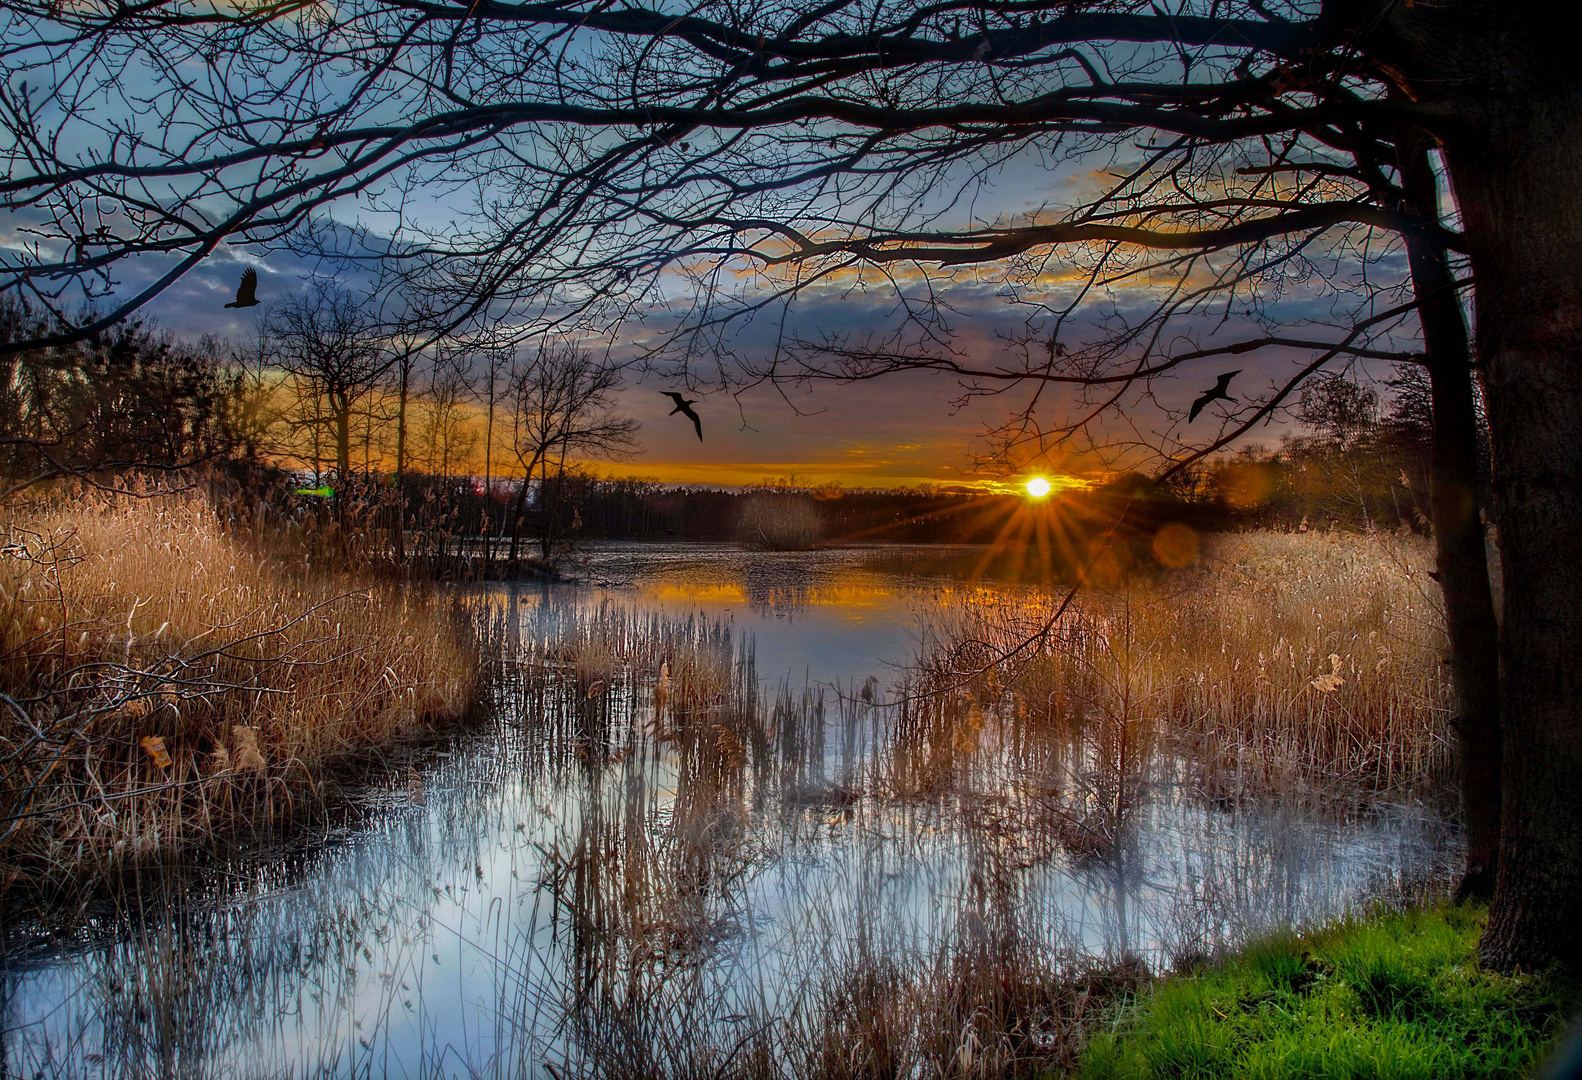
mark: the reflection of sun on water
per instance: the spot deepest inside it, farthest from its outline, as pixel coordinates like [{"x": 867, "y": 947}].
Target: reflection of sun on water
[{"x": 1038, "y": 487}]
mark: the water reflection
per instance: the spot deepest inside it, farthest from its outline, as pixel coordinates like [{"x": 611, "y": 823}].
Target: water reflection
[{"x": 648, "y": 865}]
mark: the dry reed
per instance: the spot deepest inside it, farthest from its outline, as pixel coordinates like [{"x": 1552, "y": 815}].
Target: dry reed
[
  {"x": 1280, "y": 662},
  {"x": 169, "y": 684},
  {"x": 675, "y": 784}
]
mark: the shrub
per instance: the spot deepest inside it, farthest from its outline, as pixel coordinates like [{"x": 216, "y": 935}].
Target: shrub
[{"x": 779, "y": 522}]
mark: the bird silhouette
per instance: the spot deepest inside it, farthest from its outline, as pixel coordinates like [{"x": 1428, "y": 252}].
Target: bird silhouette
[
  {"x": 684, "y": 407},
  {"x": 1217, "y": 392},
  {"x": 245, "y": 292}
]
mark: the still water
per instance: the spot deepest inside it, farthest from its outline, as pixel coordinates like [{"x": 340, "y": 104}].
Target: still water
[{"x": 571, "y": 889}]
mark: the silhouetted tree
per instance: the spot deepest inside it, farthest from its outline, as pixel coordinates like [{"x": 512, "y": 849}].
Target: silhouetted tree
[
  {"x": 626, "y": 152},
  {"x": 562, "y": 405},
  {"x": 129, "y": 399},
  {"x": 326, "y": 341}
]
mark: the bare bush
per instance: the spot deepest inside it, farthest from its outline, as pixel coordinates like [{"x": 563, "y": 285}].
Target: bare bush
[{"x": 779, "y": 522}]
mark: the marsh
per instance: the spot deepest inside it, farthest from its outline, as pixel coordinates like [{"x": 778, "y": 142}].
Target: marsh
[{"x": 754, "y": 813}]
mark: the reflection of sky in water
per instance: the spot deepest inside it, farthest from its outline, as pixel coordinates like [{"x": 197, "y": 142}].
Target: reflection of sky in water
[
  {"x": 824, "y": 615},
  {"x": 434, "y": 940}
]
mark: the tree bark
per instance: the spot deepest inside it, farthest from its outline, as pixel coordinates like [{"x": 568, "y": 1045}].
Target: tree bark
[
  {"x": 1460, "y": 552},
  {"x": 521, "y": 509},
  {"x": 1517, "y": 169},
  {"x": 488, "y": 480},
  {"x": 343, "y": 443},
  {"x": 516, "y": 521},
  {"x": 343, "y": 456},
  {"x": 400, "y": 507}
]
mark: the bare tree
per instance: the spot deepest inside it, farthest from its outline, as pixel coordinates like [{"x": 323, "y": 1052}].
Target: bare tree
[
  {"x": 129, "y": 400},
  {"x": 327, "y": 343},
  {"x": 449, "y": 439},
  {"x": 1345, "y": 414},
  {"x": 492, "y": 368},
  {"x": 759, "y": 154},
  {"x": 562, "y": 406}
]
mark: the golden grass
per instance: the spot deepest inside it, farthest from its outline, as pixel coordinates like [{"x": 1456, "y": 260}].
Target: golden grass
[
  {"x": 173, "y": 684},
  {"x": 1326, "y": 654},
  {"x": 1282, "y": 660}
]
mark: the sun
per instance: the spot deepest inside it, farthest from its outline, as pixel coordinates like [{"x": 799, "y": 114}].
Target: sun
[{"x": 1038, "y": 487}]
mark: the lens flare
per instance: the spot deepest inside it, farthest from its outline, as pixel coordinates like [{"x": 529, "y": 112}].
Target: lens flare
[{"x": 1038, "y": 487}]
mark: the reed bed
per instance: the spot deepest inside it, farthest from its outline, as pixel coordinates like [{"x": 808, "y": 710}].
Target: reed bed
[
  {"x": 168, "y": 685},
  {"x": 1280, "y": 663},
  {"x": 1290, "y": 670},
  {"x": 653, "y": 875},
  {"x": 725, "y": 872}
]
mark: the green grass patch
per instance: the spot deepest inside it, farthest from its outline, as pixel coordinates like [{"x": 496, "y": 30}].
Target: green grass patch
[{"x": 1398, "y": 996}]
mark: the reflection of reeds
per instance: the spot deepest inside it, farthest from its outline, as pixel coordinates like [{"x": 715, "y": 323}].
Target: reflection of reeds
[
  {"x": 1043, "y": 764},
  {"x": 650, "y": 877},
  {"x": 644, "y": 877}
]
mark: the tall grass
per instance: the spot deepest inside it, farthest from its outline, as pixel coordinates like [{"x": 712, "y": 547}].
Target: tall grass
[
  {"x": 870, "y": 881},
  {"x": 168, "y": 683},
  {"x": 1151, "y": 691},
  {"x": 1281, "y": 661}
]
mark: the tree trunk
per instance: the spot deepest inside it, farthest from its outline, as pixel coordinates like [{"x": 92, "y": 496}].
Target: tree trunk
[
  {"x": 1460, "y": 551},
  {"x": 343, "y": 444},
  {"x": 400, "y": 507},
  {"x": 1517, "y": 171},
  {"x": 343, "y": 457},
  {"x": 550, "y": 517},
  {"x": 488, "y": 480},
  {"x": 521, "y": 508}
]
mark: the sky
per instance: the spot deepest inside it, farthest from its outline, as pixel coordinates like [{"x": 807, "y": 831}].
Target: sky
[
  {"x": 897, "y": 432},
  {"x": 903, "y": 430},
  {"x": 900, "y": 431}
]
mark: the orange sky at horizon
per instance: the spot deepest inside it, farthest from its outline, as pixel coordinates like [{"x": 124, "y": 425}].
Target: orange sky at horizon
[{"x": 899, "y": 433}]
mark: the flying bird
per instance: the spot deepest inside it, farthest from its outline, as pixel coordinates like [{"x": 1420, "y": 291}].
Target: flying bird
[
  {"x": 1217, "y": 392},
  {"x": 684, "y": 407},
  {"x": 247, "y": 290}
]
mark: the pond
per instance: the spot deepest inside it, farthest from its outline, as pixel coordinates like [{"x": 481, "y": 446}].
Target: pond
[{"x": 699, "y": 841}]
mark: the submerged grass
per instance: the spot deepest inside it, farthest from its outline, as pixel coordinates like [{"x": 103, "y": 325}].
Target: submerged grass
[
  {"x": 1398, "y": 996},
  {"x": 168, "y": 684}
]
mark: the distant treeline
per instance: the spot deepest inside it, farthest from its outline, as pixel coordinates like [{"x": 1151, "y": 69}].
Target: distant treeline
[
  {"x": 134, "y": 400},
  {"x": 1355, "y": 466}
]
